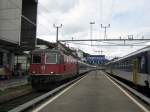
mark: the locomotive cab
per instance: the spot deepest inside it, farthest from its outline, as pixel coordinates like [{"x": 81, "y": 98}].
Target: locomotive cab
[
  {"x": 46, "y": 63},
  {"x": 51, "y": 66}
]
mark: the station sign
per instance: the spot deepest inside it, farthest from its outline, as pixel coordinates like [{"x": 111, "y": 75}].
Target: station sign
[{"x": 96, "y": 59}]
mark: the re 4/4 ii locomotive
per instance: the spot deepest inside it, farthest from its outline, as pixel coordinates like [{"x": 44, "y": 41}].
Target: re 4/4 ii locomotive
[
  {"x": 51, "y": 66},
  {"x": 134, "y": 67}
]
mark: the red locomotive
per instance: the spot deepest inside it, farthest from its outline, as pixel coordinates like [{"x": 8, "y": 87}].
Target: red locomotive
[{"x": 51, "y": 66}]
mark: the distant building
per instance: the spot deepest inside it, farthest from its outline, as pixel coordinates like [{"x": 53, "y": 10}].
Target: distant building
[
  {"x": 80, "y": 53},
  {"x": 96, "y": 59}
]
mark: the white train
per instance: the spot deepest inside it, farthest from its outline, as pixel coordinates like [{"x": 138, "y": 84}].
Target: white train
[{"x": 134, "y": 67}]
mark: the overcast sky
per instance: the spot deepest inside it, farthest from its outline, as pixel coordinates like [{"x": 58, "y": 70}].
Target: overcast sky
[{"x": 126, "y": 17}]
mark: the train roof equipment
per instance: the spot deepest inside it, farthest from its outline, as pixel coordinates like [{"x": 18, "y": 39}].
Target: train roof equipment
[{"x": 142, "y": 50}]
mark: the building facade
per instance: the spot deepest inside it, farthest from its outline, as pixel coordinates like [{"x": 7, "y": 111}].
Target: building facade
[{"x": 17, "y": 30}]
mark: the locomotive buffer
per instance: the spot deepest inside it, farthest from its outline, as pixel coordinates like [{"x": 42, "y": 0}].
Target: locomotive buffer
[{"x": 96, "y": 92}]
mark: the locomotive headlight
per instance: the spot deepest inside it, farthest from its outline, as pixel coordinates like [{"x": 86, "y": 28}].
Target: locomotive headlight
[{"x": 52, "y": 73}]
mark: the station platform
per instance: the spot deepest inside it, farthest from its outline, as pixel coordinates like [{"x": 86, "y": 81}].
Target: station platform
[
  {"x": 94, "y": 93},
  {"x": 6, "y": 84}
]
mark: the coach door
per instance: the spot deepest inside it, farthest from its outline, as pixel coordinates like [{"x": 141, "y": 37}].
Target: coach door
[
  {"x": 1, "y": 58},
  {"x": 135, "y": 71}
]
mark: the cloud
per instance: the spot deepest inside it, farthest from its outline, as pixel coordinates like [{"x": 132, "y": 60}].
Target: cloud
[
  {"x": 57, "y": 5},
  {"x": 131, "y": 15},
  {"x": 78, "y": 19},
  {"x": 125, "y": 16}
]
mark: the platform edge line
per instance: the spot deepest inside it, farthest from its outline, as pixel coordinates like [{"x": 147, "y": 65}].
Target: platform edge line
[
  {"x": 56, "y": 96},
  {"x": 129, "y": 96}
]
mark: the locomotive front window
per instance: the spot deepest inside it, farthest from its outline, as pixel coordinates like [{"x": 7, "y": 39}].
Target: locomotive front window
[
  {"x": 51, "y": 58},
  {"x": 36, "y": 58}
]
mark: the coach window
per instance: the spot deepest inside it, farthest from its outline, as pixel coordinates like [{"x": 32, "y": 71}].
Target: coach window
[
  {"x": 51, "y": 58},
  {"x": 36, "y": 58},
  {"x": 143, "y": 64},
  {"x": 62, "y": 59},
  {"x": 1, "y": 58}
]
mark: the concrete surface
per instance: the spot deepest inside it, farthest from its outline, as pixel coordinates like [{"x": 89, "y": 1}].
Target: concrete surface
[{"x": 95, "y": 93}]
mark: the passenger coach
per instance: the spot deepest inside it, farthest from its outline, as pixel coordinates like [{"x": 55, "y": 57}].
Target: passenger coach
[{"x": 134, "y": 67}]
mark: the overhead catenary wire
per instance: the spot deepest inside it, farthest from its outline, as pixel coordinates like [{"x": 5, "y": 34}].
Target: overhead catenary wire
[
  {"x": 131, "y": 43},
  {"x": 106, "y": 45}
]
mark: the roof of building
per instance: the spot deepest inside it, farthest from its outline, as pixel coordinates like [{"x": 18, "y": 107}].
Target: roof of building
[
  {"x": 47, "y": 43},
  {"x": 18, "y": 49}
]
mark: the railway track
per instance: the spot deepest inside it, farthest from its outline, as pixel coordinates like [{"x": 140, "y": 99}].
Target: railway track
[
  {"x": 27, "y": 101},
  {"x": 16, "y": 98},
  {"x": 6, "y": 106}
]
